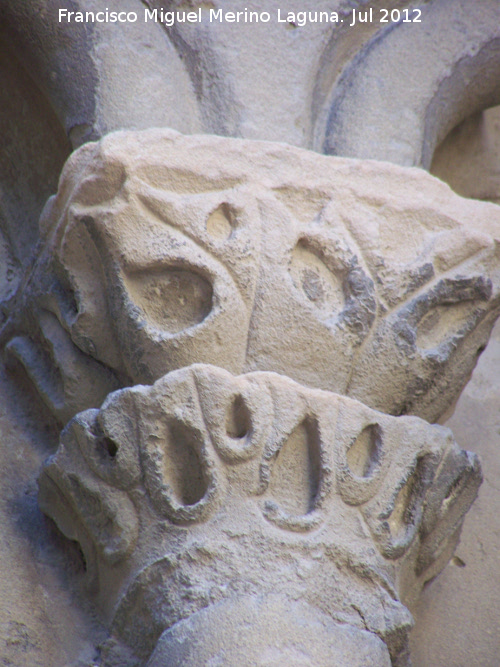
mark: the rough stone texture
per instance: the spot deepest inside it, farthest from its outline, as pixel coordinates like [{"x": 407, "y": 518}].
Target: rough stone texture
[
  {"x": 208, "y": 638},
  {"x": 380, "y": 91},
  {"x": 206, "y": 488},
  {"x": 209, "y": 491},
  {"x": 162, "y": 250},
  {"x": 331, "y": 87}
]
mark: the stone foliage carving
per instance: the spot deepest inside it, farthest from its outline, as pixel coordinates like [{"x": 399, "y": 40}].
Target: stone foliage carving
[
  {"x": 319, "y": 299},
  {"x": 161, "y": 250},
  {"x": 205, "y": 489}
]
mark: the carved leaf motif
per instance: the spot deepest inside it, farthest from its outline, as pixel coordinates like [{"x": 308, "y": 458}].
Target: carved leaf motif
[
  {"x": 372, "y": 281},
  {"x": 200, "y": 457},
  {"x": 401, "y": 333},
  {"x": 320, "y": 286},
  {"x": 236, "y": 412},
  {"x": 429, "y": 344},
  {"x": 178, "y": 466}
]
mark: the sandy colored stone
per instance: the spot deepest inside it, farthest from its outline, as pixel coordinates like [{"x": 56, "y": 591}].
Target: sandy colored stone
[
  {"x": 465, "y": 597},
  {"x": 386, "y": 92},
  {"x": 162, "y": 250},
  {"x": 412, "y": 83},
  {"x": 297, "y": 636},
  {"x": 208, "y": 489}
]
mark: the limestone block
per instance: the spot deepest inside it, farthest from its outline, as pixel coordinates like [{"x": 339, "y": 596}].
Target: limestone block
[
  {"x": 250, "y": 519},
  {"x": 253, "y": 497},
  {"x": 161, "y": 250}
]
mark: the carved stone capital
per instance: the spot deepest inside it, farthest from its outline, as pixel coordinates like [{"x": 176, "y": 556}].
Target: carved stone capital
[
  {"x": 212, "y": 492},
  {"x": 274, "y": 501},
  {"x": 161, "y": 250}
]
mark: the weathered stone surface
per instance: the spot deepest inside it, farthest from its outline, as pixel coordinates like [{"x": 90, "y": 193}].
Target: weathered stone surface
[
  {"x": 297, "y": 636},
  {"x": 206, "y": 489},
  {"x": 162, "y": 250},
  {"x": 465, "y": 597},
  {"x": 412, "y": 83},
  {"x": 388, "y": 91}
]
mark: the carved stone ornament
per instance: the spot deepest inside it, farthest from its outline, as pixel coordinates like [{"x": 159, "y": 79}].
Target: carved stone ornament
[
  {"x": 233, "y": 330},
  {"x": 255, "y": 492}
]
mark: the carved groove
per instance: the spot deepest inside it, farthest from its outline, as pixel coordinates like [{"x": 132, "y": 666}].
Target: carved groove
[
  {"x": 314, "y": 279},
  {"x": 224, "y": 475},
  {"x": 108, "y": 447},
  {"x": 407, "y": 503},
  {"x": 172, "y": 300},
  {"x": 442, "y": 323},
  {"x": 182, "y": 468},
  {"x": 295, "y": 476},
  {"x": 363, "y": 455},
  {"x": 220, "y": 223},
  {"x": 238, "y": 420}
]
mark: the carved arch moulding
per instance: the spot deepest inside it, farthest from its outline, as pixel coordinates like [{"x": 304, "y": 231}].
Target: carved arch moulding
[{"x": 235, "y": 357}]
